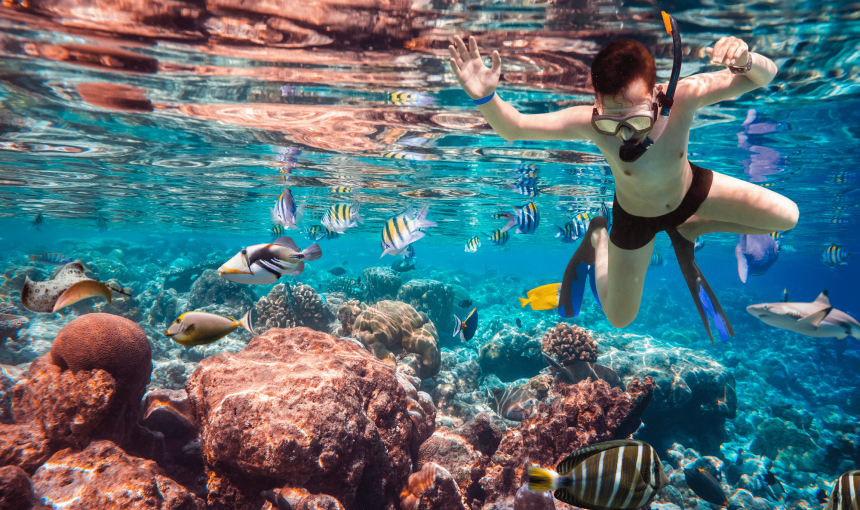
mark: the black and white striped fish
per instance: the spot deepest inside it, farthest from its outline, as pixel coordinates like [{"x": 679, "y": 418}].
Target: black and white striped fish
[
  {"x": 623, "y": 474},
  {"x": 526, "y": 218},
  {"x": 845, "y": 491},
  {"x": 341, "y": 217},
  {"x": 262, "y": 264},
  {"x": 498, "y": 237},
  {"x": 473, "y": 245},
  {"x": 403, "y": 229},
  {"x": 284, "y": 212}
]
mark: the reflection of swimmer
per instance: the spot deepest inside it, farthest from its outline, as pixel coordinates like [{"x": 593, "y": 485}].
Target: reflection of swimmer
[{"x": 662, "y": 191}]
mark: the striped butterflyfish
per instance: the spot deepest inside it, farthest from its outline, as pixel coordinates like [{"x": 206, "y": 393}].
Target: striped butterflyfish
[
  {"x": 262, "y": 264},
  {"x": 473, "y": 244},
  {"x": 340, "y": 217},
  {"x": 403, "y": 229},
  {"x": 835, "y": 256},
  {"x": 525, "y": 217},
  {"x": 498, "y": 237},
  {"x": 623, "y": 474},
  {"x": 845, "y": 490}
]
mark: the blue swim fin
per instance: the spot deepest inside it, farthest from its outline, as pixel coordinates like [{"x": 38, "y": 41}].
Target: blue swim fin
[{"x": 581, "y": 266}]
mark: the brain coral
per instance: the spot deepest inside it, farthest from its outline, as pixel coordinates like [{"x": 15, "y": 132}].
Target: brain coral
[
  {"x": 392, "y": 327},
  {"x": 569, "y": 343}
]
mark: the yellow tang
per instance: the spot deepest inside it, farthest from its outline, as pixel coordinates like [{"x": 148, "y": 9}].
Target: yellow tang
[{"x": 542, "y": 298}]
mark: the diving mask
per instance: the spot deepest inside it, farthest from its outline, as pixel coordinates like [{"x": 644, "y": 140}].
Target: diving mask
[{"x": 637, "y": 122}]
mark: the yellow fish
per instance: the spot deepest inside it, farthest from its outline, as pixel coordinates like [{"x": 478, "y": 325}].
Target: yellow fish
[{"x": 542, "y": 298}]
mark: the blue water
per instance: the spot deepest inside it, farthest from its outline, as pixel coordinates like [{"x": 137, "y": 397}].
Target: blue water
[{"x": 182, "y": 140}]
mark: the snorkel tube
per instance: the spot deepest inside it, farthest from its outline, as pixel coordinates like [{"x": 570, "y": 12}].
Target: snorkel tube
[{"x": 629, "y": 151}]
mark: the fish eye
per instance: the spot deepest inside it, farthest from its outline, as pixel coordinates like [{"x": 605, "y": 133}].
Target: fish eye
[{"x": 765, "y": 307}]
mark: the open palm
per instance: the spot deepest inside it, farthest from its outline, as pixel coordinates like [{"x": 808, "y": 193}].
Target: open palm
[{"x": 476, "y": 79}]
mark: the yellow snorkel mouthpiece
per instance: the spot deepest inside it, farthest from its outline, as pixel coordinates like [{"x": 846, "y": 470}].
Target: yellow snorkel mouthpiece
[{"x": 667, "y": 22}]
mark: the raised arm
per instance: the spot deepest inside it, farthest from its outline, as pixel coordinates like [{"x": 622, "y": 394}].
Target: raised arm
[
  {"x": 710, "y": 88},
  {"x": 479, "y": 82}
]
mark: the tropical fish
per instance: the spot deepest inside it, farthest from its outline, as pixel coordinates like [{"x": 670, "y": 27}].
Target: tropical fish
[
  {"x": 776, "y": 236},
  {"x": 527, "y": 169},
  {"x": 839, "y": 220},
  {"x": 262, "y": 264},
  {"x": 835, "y": 256},
  {"x": 278, "y": 231},
  {"x": 527, "y": 185},
  {"x": 278, "y": 502},
  {"x": 755, "y": 255},
  {"x": 526, "y": 218},
  {"x": 466, "y": 303},
  {"x": 337, "y": 271},
  {"x": 841, "y": 177},
  {"x": 519, "y": 323},
  {"x": 573, "y": 372},
  {"x": 50, "y": 258},
  {"x": 403, "y": 155},
  {"x": 341, "y": 217},
  {"x": 844, "y": 493},
  {"x": 473, "y": 245},
  {"x": 568, "y": 233},
  {"x": 542, "y": 298},
  {"x": 198, "y": 328},
  {"x": 409, "y": 253},
  {"x": 402, "y": 266},
  {"x": 467, "y": 328},
  {"x": 699, "y": 244},
  {"x": 511, "y": 403},
  {"x": 408, "y": 98},
  {"x": 101, "y": 224},
  {"x": 776, "y": 488},
  {"x": 707, "y": 488},
  {"x": 498, "y": 237},
  {"x": 403, "y": 229},
  {"x": 815, "y": 319},
  {"x": 623, "y": 474},
  {"x": 284, "y": 212},
  {"x": 341, "y": 190},
  {"x": 68, "y": 287},
  {"x": 38, "y": 222},
  {"x": 657, "y": 261},
  {"x": 787, "y": 247},
  {"x": 319, "y": 232}
]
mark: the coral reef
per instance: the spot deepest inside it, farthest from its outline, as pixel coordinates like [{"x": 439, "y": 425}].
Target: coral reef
[
  {"x": 346, "y": 315},
  {"x": 309, "y": 309},
  {"x": 431, "y": 488},
  {"x": 103, "y": 476},
  {"x": 305, "y": 409},
  {"x": 10, "y": 321},
  {"x": 389, "y": 328},
  {"x": 16, "y": 491},
  {"x": 9, "y": 376},
  {"x": 456, "y": 455},
  {"x": 381, "y": 283},
  {"x": 511, "y": 355},
  {"x": 569, "y": 343},
  {"x": 211, "y": 293},
  {"x": 481, "y": 433},
  {"x": 433, "y": 298},
  {"x": 274, "y": 310},
  {"x": 165, "y": 307},
  {"x": 301, "y": 499},
  {"x": 352, "y": 288}
]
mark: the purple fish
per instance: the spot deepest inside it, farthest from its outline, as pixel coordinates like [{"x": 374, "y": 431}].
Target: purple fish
[{"x": 755, "y": 254}]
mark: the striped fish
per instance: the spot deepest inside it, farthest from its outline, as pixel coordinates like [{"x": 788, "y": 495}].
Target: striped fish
[
  {"x": 341, "y": 217},
  {"x": 623, "y": 474},
  {"x": 38, "y": 222},
  {"x": 50, "y": 258},
  {"x": 409, "y": 253},
  {"x": 526, "y": 218},
  {"x": 408, "y": 98},
  {"x": 845, "y": 490},
  {"x": 511, "y": 403},
  {"x": 403, "y": 229},
  {"x": 527, "y": 185},
  {"x": 319, "y": 232},
  {"x": 498, "y": 237},
  {"x": 473, "y": 244},
  {"x": 284, "y": 212},
  {"x": 277, "y": 231},
  {"x": 341, "y": 190},
  {"x": 403, "y": 155},
  {"x": 657, "y": 260},
  {"x": 776, "y": 236},
  {"x": 101, "y": 224},
  {"x": 835, "y": 256},
  {"x": 569, "y": 233}
]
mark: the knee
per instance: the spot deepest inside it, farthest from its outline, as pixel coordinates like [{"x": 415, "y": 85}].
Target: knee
[
  {"x": 789, "y": 218},
  {"x": 620, "y": 320}
]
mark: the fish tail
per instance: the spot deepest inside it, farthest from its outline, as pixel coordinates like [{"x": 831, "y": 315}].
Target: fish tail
[
  {"x": 248, "y": 320},
  {"x": 312, "y": 252},
  {"x": 355, "y": 215},
  {"x": 524, "y": 302},
  {"x": 512, "y": 220},
  {"x": 274, "y": 215},
  {"x": 422, "y": 218},
  {"x": 458, "y": 327},
  {"x": 542, "y": 480}
]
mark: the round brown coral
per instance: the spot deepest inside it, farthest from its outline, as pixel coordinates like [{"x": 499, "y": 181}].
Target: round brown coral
[{"x": 569, "y": 343}]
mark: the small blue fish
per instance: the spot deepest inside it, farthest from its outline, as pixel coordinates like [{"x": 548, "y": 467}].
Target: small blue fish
[
  {"x": 498, "y": 237},
  {"x": 527, "y": 185},
  {"x": 568, "y": 233},
  {"x": 466, "y": 328},
  {"x": 527, "y": 170},
  {"x": 51, "y": 259},
  {"x": 699, "y": 244},
  {"x": 473, "y": 244},
  {"x": 835, "y": 256},
  {"x": 38, "y": 222},
  {"x": 101, "y": 223},
  {"x": 284, "y": 212},
  {"x": 657, "y": 261},
  {"x": 755, "y": 254},
  {"x": 526, "y": 218},
  {"x": 403, "y": 229},
  {"x": 787, "y": 247}
]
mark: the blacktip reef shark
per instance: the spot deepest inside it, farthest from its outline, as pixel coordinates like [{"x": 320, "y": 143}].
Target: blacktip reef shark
[{"x": 817, "y": 319}]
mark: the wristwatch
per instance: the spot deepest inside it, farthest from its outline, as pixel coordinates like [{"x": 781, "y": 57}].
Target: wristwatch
[{"x": 742, "y": 70}]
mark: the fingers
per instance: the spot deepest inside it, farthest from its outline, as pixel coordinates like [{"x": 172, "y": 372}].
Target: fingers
[
  {"x": 497, "y": 63},
  {"x": 719, "y": 51},
  {"x": 455, "y": 57},
  {"x": 461, "y": 47},
  {"x": 727, "y": 51},
  {"x": 454, "y": 68},
  {"x": 473, "y": 48}
]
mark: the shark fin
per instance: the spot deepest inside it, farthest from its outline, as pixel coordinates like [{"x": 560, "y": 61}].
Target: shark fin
[
  {"x": 823, "y": 298},
  {"x": 743, "y": 266},
  {"x": 814, "y": 319}
]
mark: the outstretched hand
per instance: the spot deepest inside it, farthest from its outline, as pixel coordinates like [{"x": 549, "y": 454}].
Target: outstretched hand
[
  {"x": 476, "y": 79},
  {"x": 729, "y": 51}
]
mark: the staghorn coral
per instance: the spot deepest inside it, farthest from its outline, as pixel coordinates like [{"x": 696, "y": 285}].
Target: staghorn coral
[
  {"x": 433, "y": 298},
  {"x": 274, "y": 311},
  {"x": 309, "y": 309},
  {"x": 390, "y": 327},
  {"x": 346, "y": 315},
  {"x": 382, "y": 283},
  {"x": 568, "y": 343},
  {"x": 431, "y": 488}
]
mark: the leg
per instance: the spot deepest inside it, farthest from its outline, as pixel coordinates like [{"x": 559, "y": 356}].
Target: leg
[
  {"x": 620, "y": 276},
  {"x": 696, "y": 226},
  {"x": 733, "y": 201}
]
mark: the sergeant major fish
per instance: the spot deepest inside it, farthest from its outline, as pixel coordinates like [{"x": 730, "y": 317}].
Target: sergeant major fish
[
  {"x": 835, "y": 256},
  {"x": 498, "y": 237},
  {"x": 319, "y": 232},
  {"x": 262, "y": 264},
  {"x": 526, "y": 218},
  {"x": 472, "y": 245},
  {"x": 341, "y": 217},
  {"x": 403, "y": 229}
]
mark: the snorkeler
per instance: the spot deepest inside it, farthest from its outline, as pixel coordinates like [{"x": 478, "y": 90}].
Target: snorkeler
[{"x": 656, "y": 187}]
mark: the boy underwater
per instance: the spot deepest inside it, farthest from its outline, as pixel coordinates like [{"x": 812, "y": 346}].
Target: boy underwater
[{"x": 656, "y": 188}]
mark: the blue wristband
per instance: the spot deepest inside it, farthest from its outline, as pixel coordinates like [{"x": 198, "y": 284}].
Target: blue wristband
[{"x": 487, "y": 99}]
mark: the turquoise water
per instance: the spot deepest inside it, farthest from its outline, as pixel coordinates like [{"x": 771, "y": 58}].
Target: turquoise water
[{"x": 181, "y": 128}]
